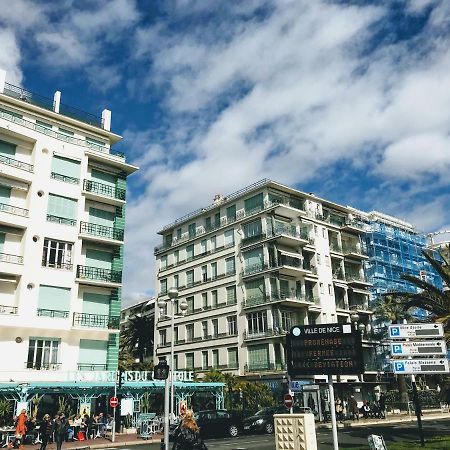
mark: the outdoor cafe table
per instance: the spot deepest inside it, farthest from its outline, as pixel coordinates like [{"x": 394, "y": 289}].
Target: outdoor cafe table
[{"x": 7, "y": 433}]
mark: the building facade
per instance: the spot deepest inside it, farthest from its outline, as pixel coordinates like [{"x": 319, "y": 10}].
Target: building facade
[
  {"x": 62, "y": 218},
  {"x": 250, "y": 266}
]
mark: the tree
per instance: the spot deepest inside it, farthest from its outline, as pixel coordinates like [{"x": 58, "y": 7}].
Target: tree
[{"x": 137, "y": 336}]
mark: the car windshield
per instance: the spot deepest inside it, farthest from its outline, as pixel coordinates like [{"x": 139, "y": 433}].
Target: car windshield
[{"x": 263, "y": 411}]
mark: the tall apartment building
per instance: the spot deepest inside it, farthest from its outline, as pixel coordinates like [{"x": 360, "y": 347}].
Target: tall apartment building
[
  {"x": 250, "y": 266},
  {"x": 62, "y": 217},
  {"x": 394, "y": 247}
]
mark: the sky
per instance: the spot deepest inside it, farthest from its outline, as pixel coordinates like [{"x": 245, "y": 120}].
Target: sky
[{"x": 346, "y": 99}]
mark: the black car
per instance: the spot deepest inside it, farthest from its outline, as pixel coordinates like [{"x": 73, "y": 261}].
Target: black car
[
  {"x": 215, "y": 423},
  {"x": 263, "y": 421}
]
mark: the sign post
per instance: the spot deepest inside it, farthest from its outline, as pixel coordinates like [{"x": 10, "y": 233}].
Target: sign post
[{"x": 329, "y": 349}]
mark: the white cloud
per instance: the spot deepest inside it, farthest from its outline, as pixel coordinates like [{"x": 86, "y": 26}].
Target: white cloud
[{"x": 10, "y": 56}]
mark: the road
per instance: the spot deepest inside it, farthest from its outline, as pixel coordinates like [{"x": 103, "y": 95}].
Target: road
[{"x": 351, "y": 437}]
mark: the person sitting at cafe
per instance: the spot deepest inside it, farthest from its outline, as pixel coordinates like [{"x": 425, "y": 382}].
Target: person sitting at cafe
[
  {"x": 77, "y": 426},
  {"x": 88, "y": 425}
]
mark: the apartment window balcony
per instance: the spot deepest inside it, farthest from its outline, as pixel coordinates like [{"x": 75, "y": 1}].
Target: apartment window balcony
[
  {"x": 253, "y": 239},
  {"x": 91, "y": 367},
  {"x": 4, "y": 309},
  {"x": 335, "y": 247},
  {"x": 259, "y": 367},
  {"x": 65, "y": 178},
  {"x": 98, "y": 274},
  {"x": 52, "y": 313},
  {"x": 12, "y": 259},
  {"x": 261, "y": 334},
  {"x": 104, "y": 190},
  {"x": 61, "y": 220},
  {"x": 57, "y": 265},
  {"x": 256, "y": 268},
  {"x": 102, "y": 231},
  {"x": 42, "y": 366},
  {"x": 16, "y": 163},
  {"x": 95, "y": 321},
  {"x": 13, "y": 210}
]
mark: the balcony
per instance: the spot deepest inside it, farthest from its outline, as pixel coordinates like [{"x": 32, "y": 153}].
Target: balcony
[
  {"x": 263, "y": 367},
  {"x": 355, "y": 278},
  {"x": 5, "y": 309},
  {"x": 64, "y": 178},
  {"x": 97, "y": 190},
  {"x": 293, "y": 299},
  {"x": 338, "y": 275},
  {"x": 291, "y": 237},
  {"x": 353, "y": 226},
  {"x": 42, "y": 366},
  {"x": 102, "y": 232},
  {"x": 353, "y": 251},
  {"x": 16, "y": 163},
  {"x": 91, "y": 367},
  {"x": 61, "y": 220},
  {"x": 335, "y": 247},
  {"x": 253, "y": 239},
  {"x": 94, "y": 275},
  {"x": 52, "y": 313},
  {"x": 11, "y": 259},
  {"x": 13, "y": 210},
  {"x": 95, "y": 321},
  {"x": 248, "y": 336}
]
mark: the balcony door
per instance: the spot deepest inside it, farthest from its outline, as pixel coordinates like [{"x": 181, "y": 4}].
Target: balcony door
[
  {"x": 258, "y": 357},
  {"x": 99, "y": 259},
  {"x": 93, "y": 355},
  {"x": 96, "y": 304},
  {"x": 101, "y": 217}
]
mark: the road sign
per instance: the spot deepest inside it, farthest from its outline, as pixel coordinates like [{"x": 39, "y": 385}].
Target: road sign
[
  {"x": 330, "y": 349},
  {"x": 416, "y": 330},
  {"x": 418, "y": 348},
  {"x": 113, "y": 402},
  {"x": 416, "y": 366},
  {"x": 288, "y": 400}
]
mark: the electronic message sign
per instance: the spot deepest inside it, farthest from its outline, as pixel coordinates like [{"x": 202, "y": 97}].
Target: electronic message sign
[{"x": 328, "y": 349}]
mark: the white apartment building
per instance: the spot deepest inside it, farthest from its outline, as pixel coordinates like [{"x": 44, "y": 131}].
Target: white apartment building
[
  {"x": 62, "y": 217},
  {"x": 250, "y": 266}
]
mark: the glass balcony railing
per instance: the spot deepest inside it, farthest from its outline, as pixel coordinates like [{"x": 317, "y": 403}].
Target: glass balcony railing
[
  {"x": 15, "y": 163},
  {"x": 52, "y": 313},
  {"x": 95, "y": 321},
  {"x": 94, "y": 229},
  {"x": 104, "y": 189},
  {"x": 98, "y": 274},
  {"x": 13, "y": 210},
  {"x": 13, "y": 259}
]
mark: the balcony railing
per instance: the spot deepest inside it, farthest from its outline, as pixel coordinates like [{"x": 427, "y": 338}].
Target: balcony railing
[
  {"x": 13, "y": 210},
  {"x": 57, "y": 265},
  {"x": 92, "y": 367},
  {"x": 98, "y": 274},
  {"x": 5, "y": 309},
  {"x": 42, "y": 366},
  {"x": 15, "y": 163},
  {"x": 103, "y": 231},
  {"x": 263, "y": 334},
  {"x": 95, "y": 321},
  {"x": 13, "y": 259},
  {"x": 352, "y": 249},
  {"x": 65, "y": 178},
  {"x": 263, "y": 366},
  {"x": 263, "y": 299},
  {"x": 284, "y": 260},
  {"x": 104, "y": 189},
  {"x": 61, "y": 220},
  {"x": 52, "y": 313}
]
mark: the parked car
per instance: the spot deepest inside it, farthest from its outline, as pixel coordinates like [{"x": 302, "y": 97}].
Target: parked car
[
  {"x": 263, "y": 421},
  {"x": 215, "y": 423}
]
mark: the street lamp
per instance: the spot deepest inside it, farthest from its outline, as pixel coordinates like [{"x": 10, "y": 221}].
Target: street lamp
[{"x": 173, "y": 295}]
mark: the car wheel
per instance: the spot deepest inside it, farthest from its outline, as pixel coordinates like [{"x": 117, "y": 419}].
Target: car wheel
[
  {"x": 233, "y": 431},
  {"x": 268, "y": 428}
]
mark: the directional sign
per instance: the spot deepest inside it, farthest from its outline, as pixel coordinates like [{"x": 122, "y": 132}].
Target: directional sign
[
  {"x": 413, "y": 366},
  {"x": 416, "y": 330},
  {"x": 330, "y": 349},
  {"x": 418, "y": 348}
]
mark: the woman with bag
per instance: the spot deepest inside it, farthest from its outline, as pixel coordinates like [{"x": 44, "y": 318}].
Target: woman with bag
[
  {"x": 21, "y": 427},
  {"x": 187, "y": 434},
  {"x": 45, "y": 430}
]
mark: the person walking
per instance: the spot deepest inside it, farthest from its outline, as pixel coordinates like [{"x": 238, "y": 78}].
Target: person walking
[
  {"x": 353, "y": 405},
  {"x": 187, "y": 434},
  {"x": 60, "y": 427},
  {"x": 382, "y": 403},
  {"x": 339, "y": 409},
  {"x": 21, "y": 428},
  {"x": 45, "y": 430}
]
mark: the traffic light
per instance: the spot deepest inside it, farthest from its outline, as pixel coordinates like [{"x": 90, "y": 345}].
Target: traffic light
[{"x": 161, "y": 370}]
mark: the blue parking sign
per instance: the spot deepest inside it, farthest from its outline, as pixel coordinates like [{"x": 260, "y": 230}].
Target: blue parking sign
[
  {"x": 399, "y": 367},
  {"x": 397, "y": 348},
  {"x": 394, "y": 331}
]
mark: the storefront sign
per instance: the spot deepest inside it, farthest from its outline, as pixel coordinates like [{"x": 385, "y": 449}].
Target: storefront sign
[{"x": 133, "y": 376}]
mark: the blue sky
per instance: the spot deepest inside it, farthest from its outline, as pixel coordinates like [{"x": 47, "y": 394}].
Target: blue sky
[{"x": 347, "y": 99}]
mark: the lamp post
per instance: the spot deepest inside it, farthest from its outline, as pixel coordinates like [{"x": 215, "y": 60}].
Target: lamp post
[{"x": 173, "y": 295}]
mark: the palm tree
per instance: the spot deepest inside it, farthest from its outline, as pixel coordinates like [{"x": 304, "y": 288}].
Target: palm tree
[{"x": 137, "y": 336}]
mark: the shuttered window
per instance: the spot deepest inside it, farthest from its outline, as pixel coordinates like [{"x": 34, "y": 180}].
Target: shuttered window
[
  {"x": 62, "y": 206},
  {"x": 231, "y": 213},
  {"x": 229, "y": 237},
  {"x": 96, "y": 303},
  {"x": 253, "y": 258},
  {"x": 189, "y": 252},
  {"x": 255, "y": 288},
  {"x": 93, "y": 352},
  {"x": 99, "y": 259},
  {"x": 253, "y": 228},
  {"x": 103, "y": 177},
  {"x": 5, "y": 193},
  {"x": 7, "y": 149},
  {"x": 66, "y": 167},
  {"x": 229, "y": 265},
  {"x": 54, "y": 298},
  {"x": 231, "y": 294},
  {"x": 254, "y": 203},
  {"x": 189, "y": 278},
  {"x": 101, "y": 217},
  {"x": 232, "y": 357},
  {"x": 258, "y": 356},
  {"x": 189, "y": 361},
  {"x": 43, "y": 127}
]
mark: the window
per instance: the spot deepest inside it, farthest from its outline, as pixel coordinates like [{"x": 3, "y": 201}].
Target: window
[
  {"x": 168, "y": 240},
  {"x": 95, "y": 144},
  {"x": 205, "y": 363},
  {"x": 217, "y": 219},
  {"x": 192, "y": 230},
  {"x": 231, "y": 295},
  {"x": 253, "y": 260},
  {"x": 189, "y": 332},
  {"x": 327, "y": 260},
  {"x": 176, "y": 281},
  {"x": 43, "y": 353},
  {"x": 321, "y": 288},
  {"x": 190, "y": 252},
  {"x": 231, "y": 213},
  {"x": 205, "y": 329},
  {"x": 258, "y": 356},
  {"x": 57, "y": 254},
  {"x": 229, "y": 266},
  {"x": 53, "y": 301},
  {"x": 229, "y": 238},
  {"x": 189, "y": 361},
  {"x": 213, "y": 243},
  {"x": 208, "y": 226},
  {"x": 190, "y": 305},
  {"x": 175, "y": 362},
  {"x": 316, "y": 230},
  {"x": 214, "y": 299},
  {"x": 65, "y": 135},
  {"x": 175, "y": 335},
  {"x": 286, "y": 320},
  {"x": 203, "y": 246},
  {"x": 215, "y": 358},
  {"x": 61, "y": 209},
  {"x": 163, "y": 286},
  {"x": 215, "y": 327},
  {"x": 205, "y": 300},
  {"x": 318, "y": 258},
  {"x": 213, "y": 271},
  {"x": 324, "y": 233},
  {"x": 178, "y": 233},
  {"x": 163, "y": 262},
  {"x": 330, "y": 289},
  {"x": 254, "y": 204},
  {"x": 65, "y": 169},
  {"x": 189, "y": 278},
  {"x": 255, "y": 289},
  {"x": 43, "y": 127},
  {"x": 176, "y": 256},
  {"x": 232, "y": 357},
  {"x": 162, "y": 337},
  {"x": 204, "y": 273},
  {"x": 232, "y": 325},
  {"x": 257, "y": 322},
  {"x": 252, "y": 229}
]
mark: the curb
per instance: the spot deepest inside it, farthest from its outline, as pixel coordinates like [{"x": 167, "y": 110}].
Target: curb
[{"x": 116, "y": 444}]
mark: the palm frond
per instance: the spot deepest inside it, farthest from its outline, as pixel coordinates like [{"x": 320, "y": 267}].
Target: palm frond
[
  {"x": 441, "y": 269},
  {"x": 422, "y": 284}
]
